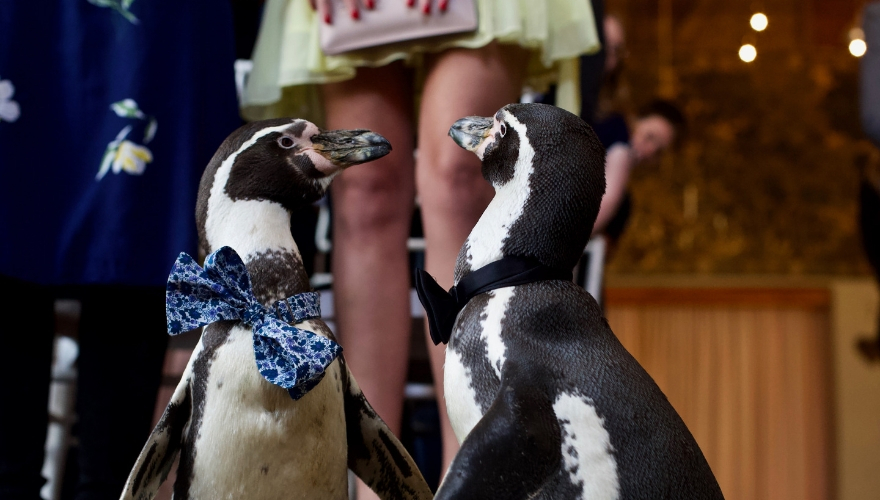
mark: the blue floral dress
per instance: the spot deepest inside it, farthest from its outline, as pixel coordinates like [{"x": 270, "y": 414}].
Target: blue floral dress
[{"x": 109, "y": 112}]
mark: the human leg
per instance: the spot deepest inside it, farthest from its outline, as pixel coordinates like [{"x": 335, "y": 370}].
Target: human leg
[
  {"x": 372, "y": 211},
  {"x": 27, "y": 331},
  {"x": 122, "y": 349},
  {"x": 452, "y": 192}
]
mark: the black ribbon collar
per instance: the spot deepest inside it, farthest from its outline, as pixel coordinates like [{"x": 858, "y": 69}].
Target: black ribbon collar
[{"x": 442, "y": 307}]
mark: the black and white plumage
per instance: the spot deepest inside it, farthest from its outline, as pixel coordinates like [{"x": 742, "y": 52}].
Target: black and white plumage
[
  {"x": 546, "y": 401},
  {"x": 238, "y": 436}
]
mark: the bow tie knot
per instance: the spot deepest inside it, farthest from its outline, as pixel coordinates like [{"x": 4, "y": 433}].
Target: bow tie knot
[
  {"x": 254, "y": 315},
  {"x": 292, "y": 358}
]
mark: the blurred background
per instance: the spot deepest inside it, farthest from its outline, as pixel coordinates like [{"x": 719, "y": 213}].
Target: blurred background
[
  {"x": 739, "y": 278},
  {"x": 766, "y": 182},
  {"x": 741, "y": 281}
]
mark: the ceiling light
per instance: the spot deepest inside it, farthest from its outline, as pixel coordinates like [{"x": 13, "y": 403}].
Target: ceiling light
[
  {"x": 858, "y": 47},
  {"x": 758, "y": 22},
  {"x": 748, "y": 52}
]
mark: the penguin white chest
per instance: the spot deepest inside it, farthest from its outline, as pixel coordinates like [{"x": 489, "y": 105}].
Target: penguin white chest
[
  {"x": 254, "y": 441},
  {"x": 461, "y": 398},
  {"x": 461, "y": 394}
]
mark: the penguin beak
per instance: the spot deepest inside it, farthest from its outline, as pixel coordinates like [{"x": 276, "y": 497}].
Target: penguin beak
[
  {"x": 471, "y": 131},
  {"x": 345, "y": 148}
]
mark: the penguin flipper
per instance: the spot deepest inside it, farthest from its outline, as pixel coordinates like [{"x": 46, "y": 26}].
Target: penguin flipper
[
  {"x": 512, "y": 451},
  {"x": 374, "y": 453},
  {"x": 157, "y": 457}
]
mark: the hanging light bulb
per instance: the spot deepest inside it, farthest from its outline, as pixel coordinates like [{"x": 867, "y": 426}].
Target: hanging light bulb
[
  {"x": 858, "y": 47},
  {"x": 748, "y": 53},
  {"x": 758, "y": 22}
]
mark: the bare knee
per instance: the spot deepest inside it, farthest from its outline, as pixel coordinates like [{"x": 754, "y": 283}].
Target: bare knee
[
  {"x": 377, "y": 199},
  {"x": 452, "y": 178}
]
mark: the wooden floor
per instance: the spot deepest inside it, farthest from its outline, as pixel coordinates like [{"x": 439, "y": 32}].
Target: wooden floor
[{"x": 749, "y": 371}]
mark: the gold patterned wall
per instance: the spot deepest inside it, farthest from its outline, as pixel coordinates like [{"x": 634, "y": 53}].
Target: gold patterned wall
[{"x": 767, "y": 180}]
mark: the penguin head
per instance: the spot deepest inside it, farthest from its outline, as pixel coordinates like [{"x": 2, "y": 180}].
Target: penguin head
[
  {"x": 290, "y": 161},
  {"x": 548, "y": 169},
  {"x": 287, "y": 162}
]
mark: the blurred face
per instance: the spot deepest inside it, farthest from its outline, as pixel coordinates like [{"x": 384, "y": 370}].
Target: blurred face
[
  {"x": 615, "y": 41},
  {"x": 652, "y": 135}
]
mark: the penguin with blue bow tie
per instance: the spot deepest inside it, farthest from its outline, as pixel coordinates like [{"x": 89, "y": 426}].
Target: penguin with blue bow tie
[{"x": 266, "y": 408}]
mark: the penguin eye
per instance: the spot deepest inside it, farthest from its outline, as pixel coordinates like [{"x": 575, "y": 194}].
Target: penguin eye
[
  {"x": 503, "y": 129},
  {"x": 285, "y": 142}
]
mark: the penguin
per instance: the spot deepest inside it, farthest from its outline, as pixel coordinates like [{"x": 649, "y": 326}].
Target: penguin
[
  {"x": 546, "y": 402},
  {"x": 237, "y": 435}
]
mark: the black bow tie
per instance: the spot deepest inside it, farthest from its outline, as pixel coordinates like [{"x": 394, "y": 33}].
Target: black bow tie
[{"x": 442, "y": 307}]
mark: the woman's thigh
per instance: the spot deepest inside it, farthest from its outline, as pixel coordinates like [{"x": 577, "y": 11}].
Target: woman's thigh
[
  {"x": 379, "y": 99},
  {"x": 453, "y": 193},
  {"x": 459, "y": 83}
]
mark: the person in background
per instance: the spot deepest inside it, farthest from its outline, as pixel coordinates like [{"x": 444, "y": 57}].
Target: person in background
[
  {"x": 657, "y": 126},
  {"x": 375, "y": 88},
  {"x": 108, "y": 116},
  {"x": 869, "y": 192}
]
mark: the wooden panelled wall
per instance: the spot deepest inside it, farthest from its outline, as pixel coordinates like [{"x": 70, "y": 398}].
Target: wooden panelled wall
[{"x": 749, "y": 370}]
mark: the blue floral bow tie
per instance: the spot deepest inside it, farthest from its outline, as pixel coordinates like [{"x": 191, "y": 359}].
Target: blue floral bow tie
[{"x": 290, "y": 357}]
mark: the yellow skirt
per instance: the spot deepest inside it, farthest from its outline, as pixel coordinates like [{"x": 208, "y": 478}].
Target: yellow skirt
[{"x": 288, "y": 60}]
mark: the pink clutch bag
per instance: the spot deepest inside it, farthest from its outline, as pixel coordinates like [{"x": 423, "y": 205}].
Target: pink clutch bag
[{"x": 392, "y": 21}]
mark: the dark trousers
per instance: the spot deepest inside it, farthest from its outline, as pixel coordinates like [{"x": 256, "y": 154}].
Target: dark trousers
[{"x": 122, "y": 340}]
